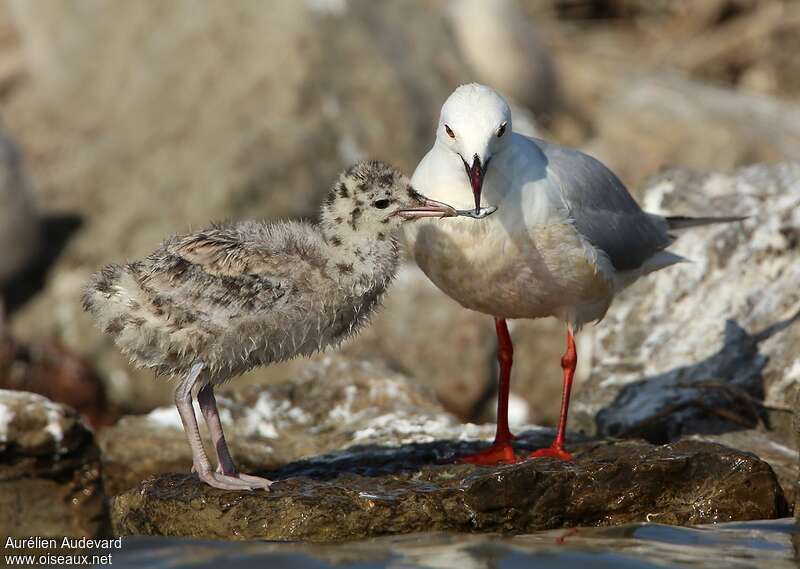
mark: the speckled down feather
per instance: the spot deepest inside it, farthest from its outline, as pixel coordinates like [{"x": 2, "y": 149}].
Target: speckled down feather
[{"x": 251, "y": 293}]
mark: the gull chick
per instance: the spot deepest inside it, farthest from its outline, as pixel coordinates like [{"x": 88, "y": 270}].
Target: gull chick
[
  {"x": 213, "y": 304},
  {"x": 566, "y": 238}
]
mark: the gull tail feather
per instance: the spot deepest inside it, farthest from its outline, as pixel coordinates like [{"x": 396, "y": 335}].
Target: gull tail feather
[
  {"x": 661, "y": 260},
  {"x": 679, "y": 222}
]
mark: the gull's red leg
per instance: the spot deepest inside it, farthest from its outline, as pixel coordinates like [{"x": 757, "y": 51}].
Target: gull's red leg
[
  {"x": 568, "y": 363},
  {"x": 501, "y": 450},
  {"x": 505, "y": 356}
]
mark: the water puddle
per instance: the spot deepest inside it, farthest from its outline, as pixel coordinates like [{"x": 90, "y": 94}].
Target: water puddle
[{"x": 641, "y": 546}]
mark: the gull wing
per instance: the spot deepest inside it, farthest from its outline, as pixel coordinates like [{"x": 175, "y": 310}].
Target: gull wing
[{"x": 602, "y": 210}]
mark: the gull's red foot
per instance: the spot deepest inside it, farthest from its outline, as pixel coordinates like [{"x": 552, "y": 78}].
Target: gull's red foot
[
  {"x": 551, "y": 452},
  {"x": 498, "y": 453}
]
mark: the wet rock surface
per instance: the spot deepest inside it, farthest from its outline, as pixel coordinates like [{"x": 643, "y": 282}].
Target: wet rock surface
[
  {"x": 49, "y": 470},
  {"x": 766, "y": 446},
  {"x": 709, "y": 346},
  {"x": 371, "y": 491}
]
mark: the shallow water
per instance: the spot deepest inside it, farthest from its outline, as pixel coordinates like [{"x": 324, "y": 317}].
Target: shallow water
[{"x": 766, "y": 544}]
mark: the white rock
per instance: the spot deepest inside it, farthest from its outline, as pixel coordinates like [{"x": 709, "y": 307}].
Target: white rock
[{"x": 728, "y": 317}]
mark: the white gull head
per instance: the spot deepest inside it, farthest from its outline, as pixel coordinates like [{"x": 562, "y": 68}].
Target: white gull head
[{"x": 475, "y": 124}]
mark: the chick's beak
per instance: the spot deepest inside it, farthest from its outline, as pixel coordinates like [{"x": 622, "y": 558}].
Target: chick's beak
[
  {"x": 426, "y": 208},
  {"x": 475, "y": 173}
]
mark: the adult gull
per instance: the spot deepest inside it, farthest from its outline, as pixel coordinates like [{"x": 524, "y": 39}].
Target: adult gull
[{"x": 566, "y": 238}]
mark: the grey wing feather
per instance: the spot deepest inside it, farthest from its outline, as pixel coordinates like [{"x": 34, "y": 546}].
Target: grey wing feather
[
  {"x": 233, "y": 271},
  {"x": 602, "y": 209},
  {"x": 215, "y": 268}
]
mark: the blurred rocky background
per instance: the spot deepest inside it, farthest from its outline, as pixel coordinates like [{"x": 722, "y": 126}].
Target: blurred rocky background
[{"x": 125, "y": 122}]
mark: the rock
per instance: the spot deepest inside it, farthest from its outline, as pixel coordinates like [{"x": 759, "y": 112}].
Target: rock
[
  {"x": 376, "y": 490},
  {"x": 359, "y": 450},
  {"x": 49, "y": 470},
  {"x": 781, "y": 458},
  {"x": 602, "y": 48},
  {"x": 49, "y": 369},
  {"x": 652, "y": 121},
  {"x": 751, "y": 50},
  {"x": 504, "y": 51},
  {"x": 334, "y": 403},
  {"x": 796, "y": 423},
  {"x": 524, "y": 121},
  {"x": 19, "y": 223},
  {"x": 229, "y": 120},
  {"x": 708, "y": 346}
]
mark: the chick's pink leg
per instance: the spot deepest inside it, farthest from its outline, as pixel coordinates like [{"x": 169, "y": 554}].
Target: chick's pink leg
[
  {"x": 225, "y": 464},
  {"x": 501, "y": 450},
  {"x": 200, "y": 462},
  {"x": 568, "y": 364}
]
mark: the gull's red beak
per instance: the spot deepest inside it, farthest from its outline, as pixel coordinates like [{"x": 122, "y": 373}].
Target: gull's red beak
[
  {"x": 427, "y": 208},
  {"x": 475, "y": 173}
]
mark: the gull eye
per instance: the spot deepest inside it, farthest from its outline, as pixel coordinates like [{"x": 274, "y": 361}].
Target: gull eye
[
  {"x": 449, "y": 131},
  {"x": 502, "y": 130},
  {"x": 381, "y": 204}
]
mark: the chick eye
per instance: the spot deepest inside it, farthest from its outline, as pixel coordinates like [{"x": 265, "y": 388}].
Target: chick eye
[
  {"x": 502, "y": 130},
  {"x": 449, "y": 131},
  {"x": 381, "y": 204}
]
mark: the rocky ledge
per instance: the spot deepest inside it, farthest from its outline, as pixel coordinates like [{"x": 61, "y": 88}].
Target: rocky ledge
[
  {"x": 49, "y": 470},
  {"x": 370, "y": 491}
]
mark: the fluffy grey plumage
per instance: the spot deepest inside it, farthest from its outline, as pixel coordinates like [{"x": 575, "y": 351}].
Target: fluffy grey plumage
[
  {"x": 251, "y": 293},
  {"x": 212, "y": 304}
]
